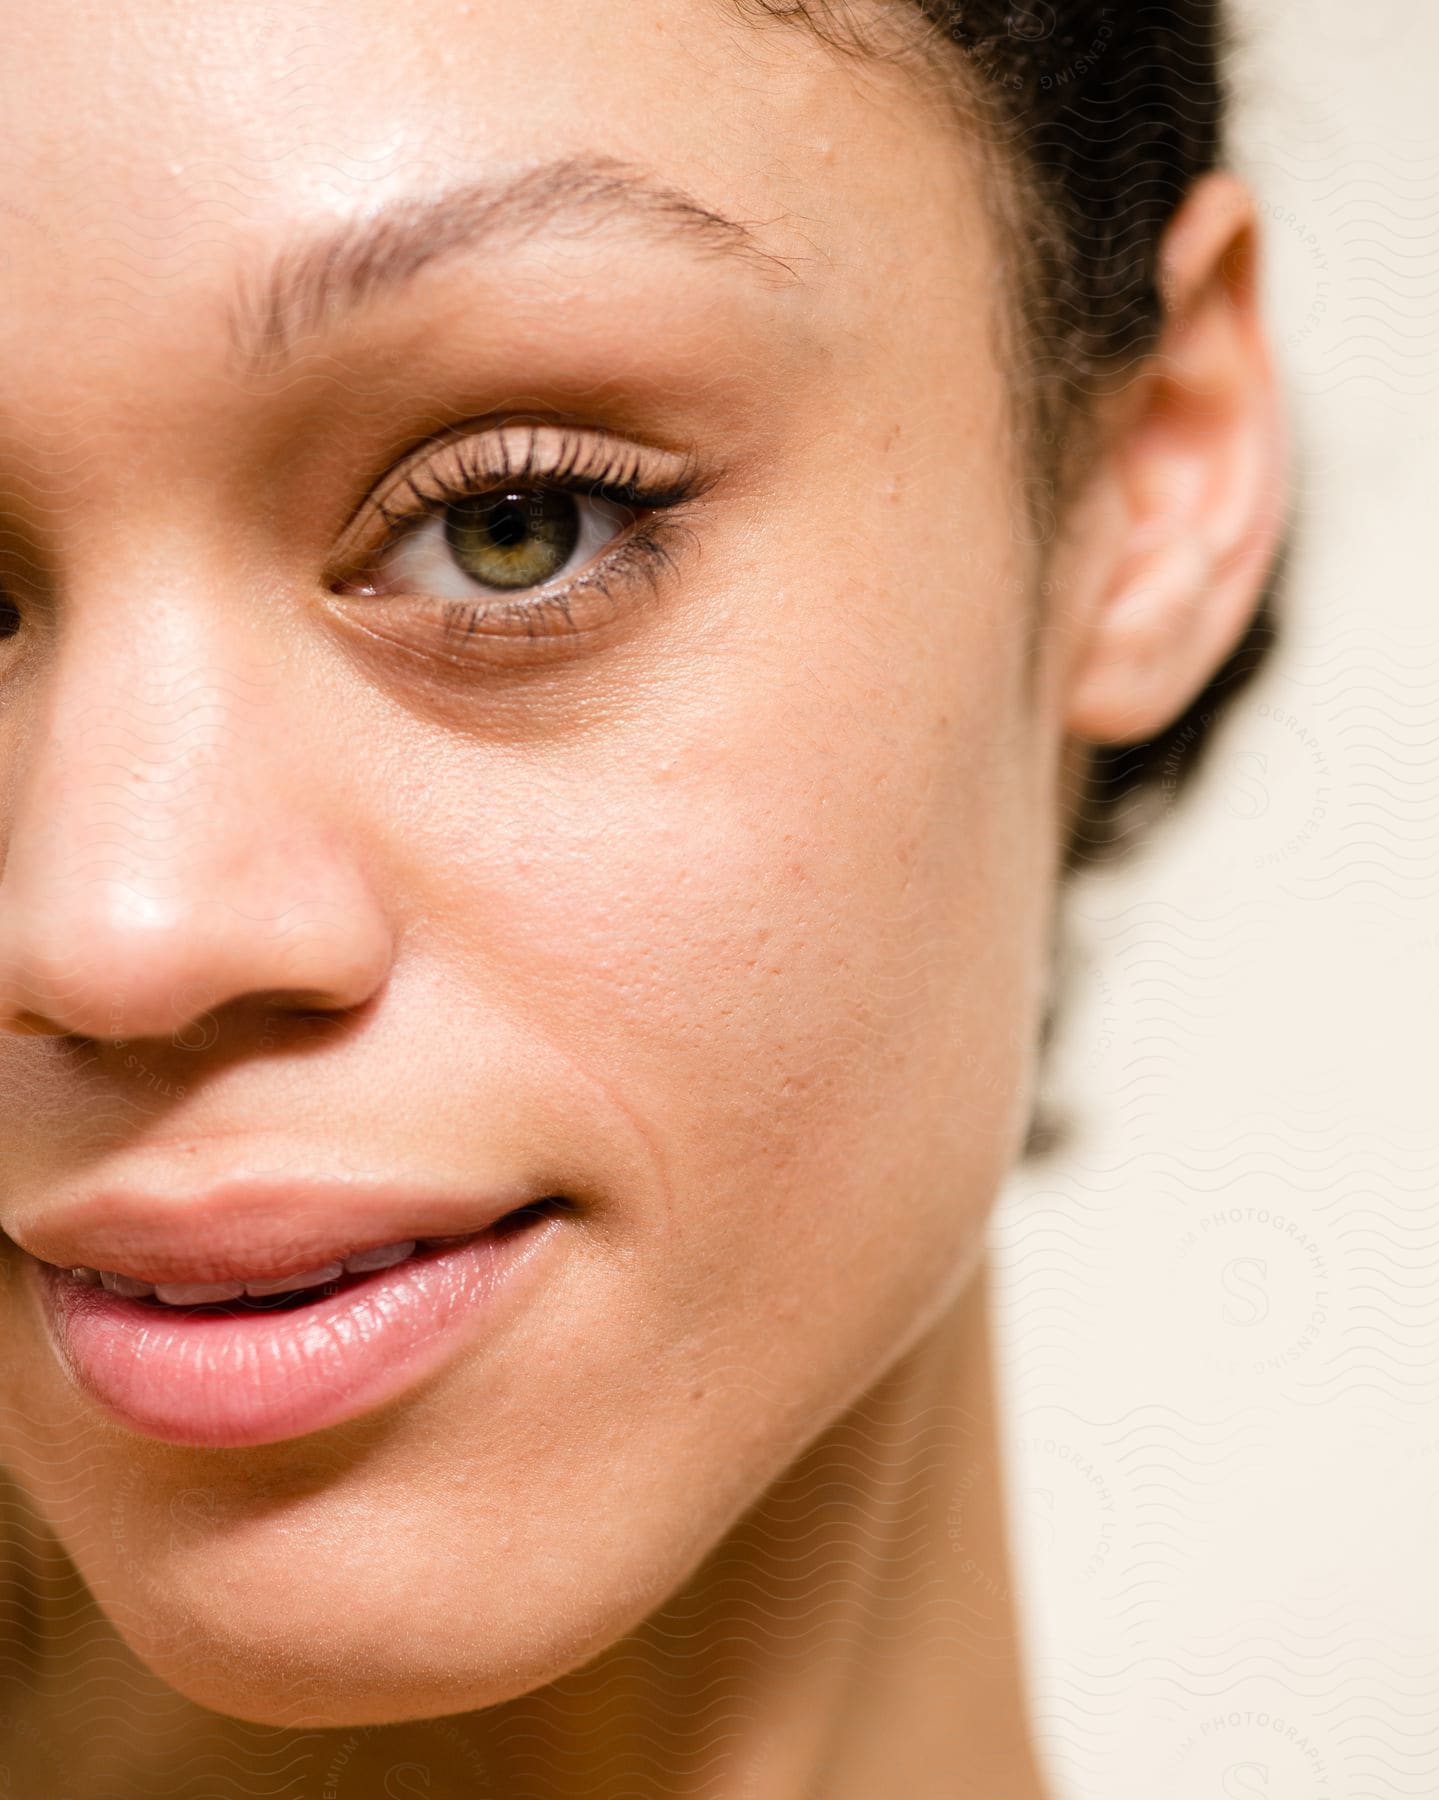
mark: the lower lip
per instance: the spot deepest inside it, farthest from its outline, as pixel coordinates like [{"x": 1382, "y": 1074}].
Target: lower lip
[{"x": 229, "y": 1379}]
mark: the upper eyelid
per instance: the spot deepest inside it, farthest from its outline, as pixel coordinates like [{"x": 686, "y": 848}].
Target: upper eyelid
[
  {"x": 447, "y": 486},
  {"x": 577, "y": 449},
  {"x": 589, "y": 457}
]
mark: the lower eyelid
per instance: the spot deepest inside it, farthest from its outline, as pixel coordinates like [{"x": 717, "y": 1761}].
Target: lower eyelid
[{"x": 496, "y": 633}]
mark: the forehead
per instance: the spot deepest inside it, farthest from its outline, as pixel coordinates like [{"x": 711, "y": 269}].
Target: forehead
[
  {"x": 161, "y": 161},
  {"x": 160, "y": 95},
  {"x": 170, "y": 131}
]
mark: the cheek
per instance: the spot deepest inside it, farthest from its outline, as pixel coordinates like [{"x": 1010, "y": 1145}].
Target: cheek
[{"x": 789, "y": 922}]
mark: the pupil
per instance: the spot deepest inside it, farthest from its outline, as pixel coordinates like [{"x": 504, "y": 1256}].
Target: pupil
[{"x": 507, "y": 524}]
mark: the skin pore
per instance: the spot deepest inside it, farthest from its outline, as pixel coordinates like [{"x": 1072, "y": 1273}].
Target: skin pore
[{"x": 719, "y": 903}]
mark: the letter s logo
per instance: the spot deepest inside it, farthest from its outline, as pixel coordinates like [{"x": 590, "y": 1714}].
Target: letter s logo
[
  {"x": 1031, "y": 22},
  {"x": 1041, "y": 1513},
  {"x": 192, "y": 1514},
  {"x": 1254, "y": 1301},
  {"x": 407, "y": 1781},
  {"x": 1033, "y": 515},
  {"x": 1247, "y": 792},
  {"x": 1243, "y": 1781}
]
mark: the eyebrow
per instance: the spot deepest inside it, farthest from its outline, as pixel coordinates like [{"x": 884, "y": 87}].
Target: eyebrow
[{"x": 319, "y": 279}]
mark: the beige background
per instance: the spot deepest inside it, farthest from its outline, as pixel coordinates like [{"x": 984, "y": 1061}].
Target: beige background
[{"x": 1219, "y": 1305}]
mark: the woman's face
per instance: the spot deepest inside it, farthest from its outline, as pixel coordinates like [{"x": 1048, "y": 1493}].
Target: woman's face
[{"x": 368, "y": 885}]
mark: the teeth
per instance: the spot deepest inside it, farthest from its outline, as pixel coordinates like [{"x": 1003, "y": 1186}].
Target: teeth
[
  {"x": 363, "y": 1262},
  {"x": 211, "y": 1293},
  {"x": 198, "y": 1293},
  {"x": 288, "y": 1284},
  {"x": 126, "y": 1287}
]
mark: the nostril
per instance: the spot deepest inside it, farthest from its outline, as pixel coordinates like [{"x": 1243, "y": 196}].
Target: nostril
[
  {"x": 146, "y": 925},
  {"x": 32, "y": 1024}
]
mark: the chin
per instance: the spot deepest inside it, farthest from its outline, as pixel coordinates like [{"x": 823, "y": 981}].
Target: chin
[
  {"x": 342, "y": 1696},
  {"x": 295, "y": 1617},
  {"x": 347, "y": 1676}
]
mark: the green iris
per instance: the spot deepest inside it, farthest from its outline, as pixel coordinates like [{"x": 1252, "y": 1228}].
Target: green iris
[{"x": 513, "y": 538}]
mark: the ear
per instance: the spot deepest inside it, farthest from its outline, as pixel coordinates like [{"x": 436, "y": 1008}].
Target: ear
[{"x": 1182, "y": 515}]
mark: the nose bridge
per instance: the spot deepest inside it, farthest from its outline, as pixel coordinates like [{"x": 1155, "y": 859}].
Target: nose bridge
[{"x": 169, "y": 846}]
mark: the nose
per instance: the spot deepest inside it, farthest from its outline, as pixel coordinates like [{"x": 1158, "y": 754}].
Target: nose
[{"x": 173, "y": 844}]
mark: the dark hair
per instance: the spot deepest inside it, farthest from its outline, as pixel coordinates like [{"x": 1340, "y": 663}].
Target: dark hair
[{"x": 1103, "y": 113}]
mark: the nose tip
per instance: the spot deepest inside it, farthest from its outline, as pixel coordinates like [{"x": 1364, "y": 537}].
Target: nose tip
[
  {"x": 112, "y": 964},
  {"x": 153, "y": 870}
]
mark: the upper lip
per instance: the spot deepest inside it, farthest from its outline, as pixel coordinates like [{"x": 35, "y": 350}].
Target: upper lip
[{"x": 252, "y": 1228}]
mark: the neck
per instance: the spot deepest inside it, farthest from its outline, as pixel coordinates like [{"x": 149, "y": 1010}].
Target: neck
[{"x": 855, "y": 1635}]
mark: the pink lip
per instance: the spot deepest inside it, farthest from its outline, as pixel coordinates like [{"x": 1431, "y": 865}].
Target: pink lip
[
  {"x": 250, "y": 1226},
  {"x": 226, "y": 1379}
]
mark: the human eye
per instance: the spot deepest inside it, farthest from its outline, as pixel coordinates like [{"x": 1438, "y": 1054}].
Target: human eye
[
  {"x": 519, "y": 538},
  {"x": 17, "y": 578}
]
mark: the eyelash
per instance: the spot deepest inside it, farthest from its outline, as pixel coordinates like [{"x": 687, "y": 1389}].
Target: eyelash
[{"x": 578, "y": 464}]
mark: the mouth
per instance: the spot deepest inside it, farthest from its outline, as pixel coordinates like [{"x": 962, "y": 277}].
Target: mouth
[{"x": 261, "y": 1358}]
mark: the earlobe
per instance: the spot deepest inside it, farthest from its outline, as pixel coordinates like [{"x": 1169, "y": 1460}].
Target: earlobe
[
  {"x": 1151, "y": 633},
  {"x": 1189, "y": 488}
]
